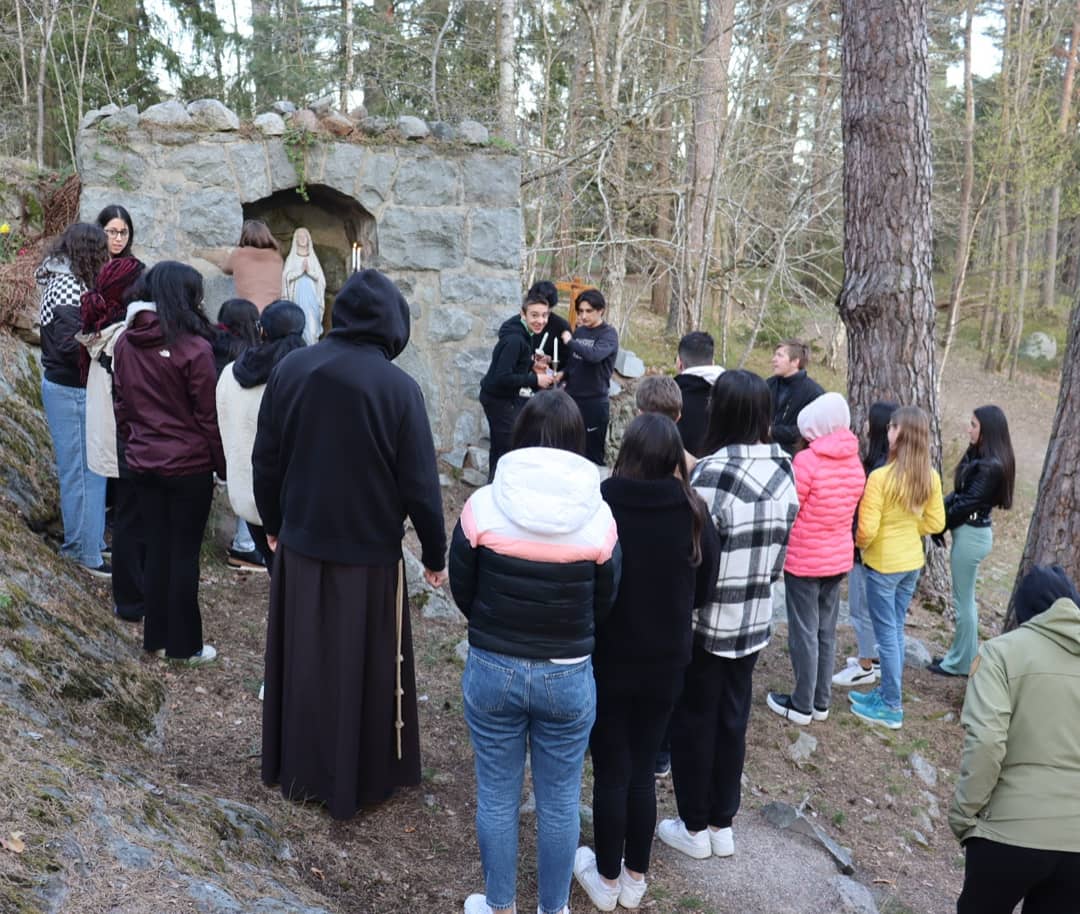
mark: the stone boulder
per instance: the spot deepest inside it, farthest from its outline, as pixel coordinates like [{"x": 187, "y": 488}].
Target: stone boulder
[
  {"x": 412, "y": 128},
  {"x": 628, "y": 364},
  {"x": 322, "y": 105},
  {"x": 375, "y": 125},
  {"x": 1039, "y": 347},
  {"x": 473, "y": 133},
  {"x": 270, "y": 124},
  {"x": 167, "y": 114},
  {"x": 283, "y": 106},
  {"x": 124, "y": 119},
  {"x": 358, "y": 113},
  {"x": 213, "y": 115},
  {"x": 337, "y": 123},
  {"x": 304, "y": 119},
  {"x": 97, "y": 114}
]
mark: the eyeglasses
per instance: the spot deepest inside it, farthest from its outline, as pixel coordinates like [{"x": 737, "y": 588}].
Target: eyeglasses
[{"x": 117, "y": 233}]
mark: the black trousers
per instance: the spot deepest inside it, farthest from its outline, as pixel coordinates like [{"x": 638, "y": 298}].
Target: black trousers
[
  {"x": 258, "y": 535},
  {"x": 997, "y": 876},
  {"x": 128, "y": 550},
  {"x": 501, "y": 414},
  {"x": 174, "y": 510},
  {"x": 708, "y": 738},
  {"x": 629, "y": 726},
  {"x": 595, "y": 413}
]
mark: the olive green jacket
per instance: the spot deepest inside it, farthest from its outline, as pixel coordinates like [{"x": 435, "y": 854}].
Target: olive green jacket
[{"x": 1020, "y": 773}]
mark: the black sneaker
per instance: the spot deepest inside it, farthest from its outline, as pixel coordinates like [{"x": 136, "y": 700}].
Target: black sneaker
[
  {"x": 103, "y": 571},
  {"x": 779, "y": 703},
  {"x": 246, "y": 561}
]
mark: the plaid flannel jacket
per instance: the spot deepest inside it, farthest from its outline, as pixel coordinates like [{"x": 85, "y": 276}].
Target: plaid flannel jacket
[{"x": 750, "y": 491}]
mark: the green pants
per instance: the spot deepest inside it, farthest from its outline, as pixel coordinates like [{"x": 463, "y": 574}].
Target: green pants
[{"x": 970, "y": 545}]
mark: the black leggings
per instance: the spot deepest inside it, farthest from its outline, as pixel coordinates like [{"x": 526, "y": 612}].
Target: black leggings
[
  {"x": 624, "y": 740},
  {"x": 997, "y": 876}
]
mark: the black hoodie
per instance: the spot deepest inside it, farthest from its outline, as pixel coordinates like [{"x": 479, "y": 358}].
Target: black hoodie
[
  {"x": 511, "y": 362},
  {"x": 344, "y": 449}
]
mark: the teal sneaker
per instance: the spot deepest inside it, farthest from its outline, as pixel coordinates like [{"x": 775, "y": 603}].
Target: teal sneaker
[
  {"x": 861, "y": 698},
  {"x": 877, "y": 712}
]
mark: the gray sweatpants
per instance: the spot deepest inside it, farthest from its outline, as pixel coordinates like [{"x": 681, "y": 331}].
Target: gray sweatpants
[{"x": 812, "y": 608}]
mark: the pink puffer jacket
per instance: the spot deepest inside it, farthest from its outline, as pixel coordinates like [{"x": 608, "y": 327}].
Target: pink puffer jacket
[{"x": 829, "y": 479}]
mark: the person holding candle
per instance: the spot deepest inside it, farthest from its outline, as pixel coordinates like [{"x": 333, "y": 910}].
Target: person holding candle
[
  {"x": 513, "y": 375},
  {"x": 547, "y": 343},
  {"x": 590, "y": 362}
]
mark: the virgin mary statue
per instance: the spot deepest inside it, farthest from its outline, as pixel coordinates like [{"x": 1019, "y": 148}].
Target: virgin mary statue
[{"x": 302, "y": 281}]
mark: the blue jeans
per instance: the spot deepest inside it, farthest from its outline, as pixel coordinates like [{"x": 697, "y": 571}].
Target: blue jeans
[
  {"x": 242, "y": 541},
  {"x": 888, "y": 597},
  {"x": 860, "y": 614},
  {"x": 82, "y": 491},
  {"x": 511, "y": 702}
]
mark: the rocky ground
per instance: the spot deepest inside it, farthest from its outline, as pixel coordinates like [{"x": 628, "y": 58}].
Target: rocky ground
[{"x": 131, "y": 785}]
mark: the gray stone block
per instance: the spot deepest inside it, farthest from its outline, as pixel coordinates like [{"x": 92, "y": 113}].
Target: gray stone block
[
  {"x": 202, "y": 164},
  {"x": 412, "y": 128},
  {"x": 785, "y": 816},
  {"x": 323, "y": 104},
  {"x": 472, "y": 365},
  {"x": 419, "y": 368},
  {"x": 854, "y": 897},
  {"x": 916, "y": 654},
  {"x": 270, "y": 123},
  {"x": 495, "y": 237},
  {"x": 304, "y": 119},
  {"x": 283, "y": 106},
  {"x": 427, "y": 182},
  {"x": 167, "y": 114},
  {"x": 108, "y": 166},
  {"x": 412, "y": 239},
  {"x": 449, "y": 324},
  {"x": 479, "y": 457},
  {"x": 213, "y": 115},
  {"x": 337, "y": 123},
  {"x": 804, "y": 746},
  {"x": 474, "y": 477},
  {"x": 455, "y": 457},
  {"x": 437, "y": 606},
  {"x": 374, "y": 125},
  {"x": 92, "y": 117},
  {"x": 343, "y": 165},
  {"x": 282, "y": 173},
  {"x": 375, "y": 182},
  {"x": 249, "y": 165},
  {"x": 473, "y": 133},
  {"x": 466, "y": 430},
  {"x": 211, "y": 219},
  {"x": 491, "y": 291},
  {"x": 492, "y": 180}
]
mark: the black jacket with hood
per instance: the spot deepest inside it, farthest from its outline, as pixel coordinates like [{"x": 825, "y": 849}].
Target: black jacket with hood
[
  {"x": 511, "y": 362},
  {"x": 789, "y": 396},
  {"x": 344, "y": 450}
]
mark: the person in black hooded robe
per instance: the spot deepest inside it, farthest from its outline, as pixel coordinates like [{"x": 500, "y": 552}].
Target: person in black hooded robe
[{"x": 342, "y": 454}]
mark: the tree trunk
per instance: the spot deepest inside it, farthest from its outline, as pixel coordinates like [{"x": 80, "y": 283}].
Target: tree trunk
[
  {"x": 663, "y": 230},
  {"x": 887, "y": 298},
  {"x": 348, "y": 75},
  {"x": 48, "y": 22},
  {"x": 963, "y": 232},
  {"x": 1054, "y": 530},
  {"x": 505, "y": 56},
  {"x": 1049, "y": 284}
]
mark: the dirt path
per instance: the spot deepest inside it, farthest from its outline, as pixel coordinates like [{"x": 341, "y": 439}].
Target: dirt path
[{"x": 418, "y": 852}]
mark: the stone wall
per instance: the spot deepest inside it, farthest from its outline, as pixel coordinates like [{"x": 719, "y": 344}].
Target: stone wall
[{"x": 441, "y": 216}]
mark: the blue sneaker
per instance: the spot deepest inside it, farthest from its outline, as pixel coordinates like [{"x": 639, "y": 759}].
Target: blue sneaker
[
  {"x": 861, "y": 698},
  {"x": 877, "y": 712}
]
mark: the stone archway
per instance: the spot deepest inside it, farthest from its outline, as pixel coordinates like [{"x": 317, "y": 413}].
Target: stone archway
[{"x": 334, "y": 220}]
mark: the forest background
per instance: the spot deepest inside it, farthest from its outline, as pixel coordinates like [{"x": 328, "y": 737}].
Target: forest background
[{"x": 687, "y": 152}]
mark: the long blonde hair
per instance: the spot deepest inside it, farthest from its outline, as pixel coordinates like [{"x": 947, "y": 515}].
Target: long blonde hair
[{"x": 911, "y": 482}]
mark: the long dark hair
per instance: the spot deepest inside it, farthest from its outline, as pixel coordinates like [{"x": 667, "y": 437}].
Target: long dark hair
[
  {"x": 115, "y": 211},
  {"x": 652, "y": 449},
  {"x": 740, "y": 411},
  {"x": 550, "y": 419},
  {"x": 994, "y": 444},
  {"x": 177, "y": 290},
  {"x": 877, "y": 441},
  {"x": 85, "y": 248}
]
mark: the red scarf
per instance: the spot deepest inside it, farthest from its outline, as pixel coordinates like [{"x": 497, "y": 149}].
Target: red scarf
[{"x": 104, "y": 304}]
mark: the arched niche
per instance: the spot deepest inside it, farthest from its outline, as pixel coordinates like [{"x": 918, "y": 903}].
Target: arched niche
[{"x": 335, "y": 221}]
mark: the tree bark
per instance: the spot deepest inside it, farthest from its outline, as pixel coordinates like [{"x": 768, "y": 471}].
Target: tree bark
[
  {"x": 348, "y": 74},
  {"x": 887, "y": 298},
  {"x": 1055, "y": 523},
  {"x": 663, "y": 230},
  {"x": 48, "y": 22},
  {"x": 505, "y": 55}
]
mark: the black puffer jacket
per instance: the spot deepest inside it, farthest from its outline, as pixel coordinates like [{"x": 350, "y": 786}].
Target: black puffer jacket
[
  {"x": 534, "y": 566},
  {"x": 978, "y": 492},
  {"x": 511, "y": 362},
  {"x": 789, "y": 396}
]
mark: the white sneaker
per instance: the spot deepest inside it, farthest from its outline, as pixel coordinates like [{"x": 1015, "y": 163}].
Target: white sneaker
[
  {"x": 602, "y": 895},
  {"x": 722, "y": 841},
  {"x": 208, "y": 654},
  {"x": 262, "y": 692},
  {"x": 674, "y": 834},
  {"x": 477, "y": 904},
  {"x": 820, "y": 714},
  {"x": 631, "y": 890},
  {"x": 779, "y": 703},
  {"x": 854, "y": 675}
]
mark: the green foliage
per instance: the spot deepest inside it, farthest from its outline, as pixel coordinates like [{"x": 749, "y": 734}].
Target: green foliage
[{"x": 297, "y": 142}]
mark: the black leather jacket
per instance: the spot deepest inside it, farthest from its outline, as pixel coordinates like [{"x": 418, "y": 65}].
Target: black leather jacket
[{"x": 977, "y": 493}]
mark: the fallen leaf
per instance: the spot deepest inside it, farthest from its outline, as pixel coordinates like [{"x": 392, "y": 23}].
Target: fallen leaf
[
  {"x": 409, "y": 829},
  {"x": 13, "y": 842},
  {"x": 317, "y": 873}
]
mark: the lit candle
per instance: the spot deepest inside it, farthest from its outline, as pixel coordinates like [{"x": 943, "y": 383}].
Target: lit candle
[
  {"x": 555, "y": 356},
  {"x": 359, "y": 252}
]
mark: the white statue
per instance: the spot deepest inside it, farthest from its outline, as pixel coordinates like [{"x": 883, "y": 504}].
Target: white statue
[{"x": 303, "y": 282}]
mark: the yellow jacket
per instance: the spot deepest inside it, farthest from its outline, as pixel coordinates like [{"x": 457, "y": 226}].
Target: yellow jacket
[{"x": 889, "y": 535}]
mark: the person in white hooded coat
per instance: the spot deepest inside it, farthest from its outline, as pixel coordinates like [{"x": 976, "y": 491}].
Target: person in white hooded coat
[{"x": 534, "y": 565}]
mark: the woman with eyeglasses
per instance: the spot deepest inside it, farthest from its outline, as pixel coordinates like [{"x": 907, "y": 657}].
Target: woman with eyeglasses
[
  {"x": 116, "y": 222},
  {"x": 590, "y": 361}
]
